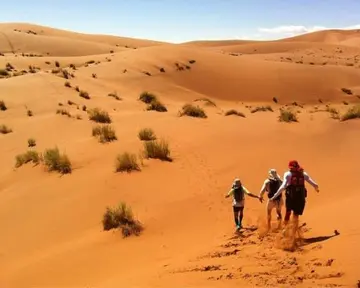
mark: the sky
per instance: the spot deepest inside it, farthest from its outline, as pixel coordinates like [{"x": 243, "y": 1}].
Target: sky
[{"x": 187, "y": 20}]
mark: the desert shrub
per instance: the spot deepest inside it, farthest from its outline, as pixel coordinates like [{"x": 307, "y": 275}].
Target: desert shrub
[
  {"x": 67, "y": 84},
  {"x": 29, "y": 156},
  {"x": 192, "y": 61},
  {"x": 126, "y": 162},
  {"x": 31, "y": 142},
  {"x": 114, "y": 95},
  {"x": 262, "y": 109},
  {"x": 4, "y": 72},
  {"x": 192, "y": 111},
  {"x": 156, "y": 105},
  {"x": 162, "y": 70},
  {"x": 234, "y": 112},
  {"x": 147, "y": 97},
  {"x": 207, "y": 101},
  {"x": 121, "y": 217},
  {"x": 56, "y": 161},
  {"x": 5, "y": 130},
  {"x": 30, "y": 113},
  {"x": 352, "y": 113},
  {"x": 57, "y": 64},
  {"x": 104, "y": 133},
  {"x": 99, "y": 116},
  {"x": 63, "y": 112},
  {"x": 275, "y": 100},
  {"x": 147, "y": 134},
  {"x": 2, "y": 106},
  {"x": 70, "y": 102},
  {"x": 333, "y": 112},
  {"x": 90, "y": 62},
  {"x": 287, "y": 116},
  {"x": 346, "y": 91},
  {"x": 94, "y": 75},
  {"x": 84, "y": 94},
  {"x": 84, "y": 108},
  {"x": 77, "y": 89},
  {"x": 157, "y": 150}
]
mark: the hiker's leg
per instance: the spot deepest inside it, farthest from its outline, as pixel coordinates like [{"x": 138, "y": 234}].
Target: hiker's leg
[
  {"x": 288, "y": 204},
  {"x": 269, "y": 208},
  {"x": 298, "y": 211},
  {"x": 241, "y": 215},
  {"x": 279, "y": 205},
  {"x": 236, "y": 215}
]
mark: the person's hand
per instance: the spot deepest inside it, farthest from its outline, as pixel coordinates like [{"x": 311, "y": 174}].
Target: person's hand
[
  {"x": 260, "y": 199},
  {"x": 317, "y": 189}
]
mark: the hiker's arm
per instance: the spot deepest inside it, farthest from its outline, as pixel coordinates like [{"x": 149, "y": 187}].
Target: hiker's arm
[
  {"x": 310, "y": 181},
  {"x": 249, "y": 193},
  {"x": 230, "y": 193},
  {"x": 282, "y": 187},
  {"x": 262, "y": 191}
]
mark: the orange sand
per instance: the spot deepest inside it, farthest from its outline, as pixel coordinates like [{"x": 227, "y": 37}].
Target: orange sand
[{"x": 51, "y": 231}]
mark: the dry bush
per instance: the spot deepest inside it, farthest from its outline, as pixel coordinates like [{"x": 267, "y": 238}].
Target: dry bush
[
  {"x": 30, "y": 113},
  {"x": 207, "y": 101},
  {"x": 4, "y": 73},
  {"x": 29, "y": 156},
  {"x": 63, "y": 112},
  {"x": 31, "y": 142},
  {"x": 126, "y": 162},
  {"x": 262, "y": 109},
  {"x": 84, "y": 94},
  {"x": 57, "y": 64},
  {"x": 104, "y": 133},
  {"x": 287, "y": 116},
  {"x": 56, "y": 161},
  {"x": 147, "y": 134},
  {"x": 67, "y": 84},
  {"x": 2, "y": 106},
  {"x": 352, "y": 113},
  {"x": 192, "y": 111},
  {"x": 157, "y": 150},
  {"x": 99, "y": 116},
  {"x": 333, "y": 112},
  {"x": 234, "y": 112},
  {"x": 347, "y": 91},
  {"x": 114, "y": 95},
  {"x": 5, "y": 130},
  {"x": 123, "y": 218},
  {"x": 156, "y": 105},
  {"x": 147, "y": 97}
]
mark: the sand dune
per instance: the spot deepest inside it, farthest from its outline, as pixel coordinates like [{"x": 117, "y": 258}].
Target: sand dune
[{"x": 51, "y": 224}]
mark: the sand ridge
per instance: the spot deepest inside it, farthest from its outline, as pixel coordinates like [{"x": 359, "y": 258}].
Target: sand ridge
[{"x": 51, "y": 224}]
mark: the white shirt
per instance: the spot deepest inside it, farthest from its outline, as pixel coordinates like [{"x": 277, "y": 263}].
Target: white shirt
[{"x": 287, "y": 178}]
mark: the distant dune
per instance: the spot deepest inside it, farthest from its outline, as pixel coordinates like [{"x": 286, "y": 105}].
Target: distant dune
[{"x": 52, "y": 229}]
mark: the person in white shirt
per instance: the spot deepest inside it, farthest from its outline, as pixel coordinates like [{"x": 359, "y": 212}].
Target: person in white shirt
[
  {"x": 271, "y": 186},
  {"x": 296, "y": 193}
]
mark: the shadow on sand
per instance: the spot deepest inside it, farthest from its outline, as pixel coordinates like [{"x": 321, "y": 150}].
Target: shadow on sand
[{"x": 307, "y": 241}]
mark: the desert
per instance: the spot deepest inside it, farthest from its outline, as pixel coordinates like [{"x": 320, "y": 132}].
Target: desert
[{"x": 88, "y": 122}]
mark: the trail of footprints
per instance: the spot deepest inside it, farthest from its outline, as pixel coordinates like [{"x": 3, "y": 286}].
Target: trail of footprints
[{"x": 273, "y": 270}]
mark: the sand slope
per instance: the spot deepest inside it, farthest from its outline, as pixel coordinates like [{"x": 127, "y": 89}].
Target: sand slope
[{"x": 51, "y": 226}]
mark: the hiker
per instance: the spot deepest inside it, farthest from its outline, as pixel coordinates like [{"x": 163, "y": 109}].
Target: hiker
[
  {"x": 296, "y": 193},
  {"x": 238, "y": 193},
  {"x": 271, "y": 186}
]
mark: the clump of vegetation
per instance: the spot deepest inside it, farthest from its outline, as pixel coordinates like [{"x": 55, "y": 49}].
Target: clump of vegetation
[
  {"x": 77, "y": 89},
  {"x": 114, "y": 95},
  {"x": 147, "y": 134},
  {"x": 157, "y": 150},
  {"x": 99, "y": 116},
  {"x": 192, "y": 111},
  {"x": 104, "y": 133},
  {"x": 121, "y": 217},
  {"x": 63, "y": 112},
  {"x": 56, "y": 161},
  {"x": 9, "y": 67},
  {"x": 234, "y": 112},
  {"x": 275, "y": 100},
  {"x": 333, "y": 112},
  {"x": 30, "y": 113},
  {"x": 207, "y": 101},
  {"x": 94, "y": 75},
  {"x": 126, "y": 162},
  {"x": 5, "y": 130},
  {"x": 84, "y": 108},
  {"x": 352, "y": 113},
  {"x": 70, "y": 102},
  {"x": 347, "y": 91},
  {"x": 4, "y": 73},
  {"x": 67, "y": 84},
  {"x": 287, "y": 116},
  {"x": 147, "y": 97},
  {"x": 57, "y": 64},
  {"x": 2, "y": 106},
  {"x": 162, "y": 70},
  {"x": 90, "y": 62},
  {"x": 31, "y": 142},
  {"x": 156, "y": 105},
  {"x": 84, "y": 94},
  {"x": 192, "y": 61},
  {"x": 29, "y": 156},
  {"x": 262, "y": 109}
]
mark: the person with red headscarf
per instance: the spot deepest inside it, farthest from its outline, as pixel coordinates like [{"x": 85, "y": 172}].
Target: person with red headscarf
[{"x": 294, "y": 183}]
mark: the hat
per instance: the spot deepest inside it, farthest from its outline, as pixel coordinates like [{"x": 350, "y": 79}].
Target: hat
[
  {"x": 273, "y": 174},
  {"x": 294, "y": 164},
  {"x": 236, "y": 183}
]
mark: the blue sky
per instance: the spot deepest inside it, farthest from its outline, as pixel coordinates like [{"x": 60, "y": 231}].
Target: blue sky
[{"x": 186, "y": 20}]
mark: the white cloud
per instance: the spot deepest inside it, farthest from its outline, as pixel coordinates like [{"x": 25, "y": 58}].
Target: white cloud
[{"x": 293, "y": 30}]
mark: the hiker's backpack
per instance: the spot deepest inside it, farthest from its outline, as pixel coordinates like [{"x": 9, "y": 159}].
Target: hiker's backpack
[
  {"x": 238, "y": 194},
  {"x": 274, "y": 185},
  {"x": 296, "y": 188}
]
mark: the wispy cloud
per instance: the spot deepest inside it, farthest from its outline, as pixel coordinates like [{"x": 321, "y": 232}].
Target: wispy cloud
[{"x": 293, "y": 30}]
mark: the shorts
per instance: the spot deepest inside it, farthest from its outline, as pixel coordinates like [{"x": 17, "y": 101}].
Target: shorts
[
  {"x": 275, "y": 204},
  {"x": 237, "y": 209},
  {"x": 297, "y": 205}
]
